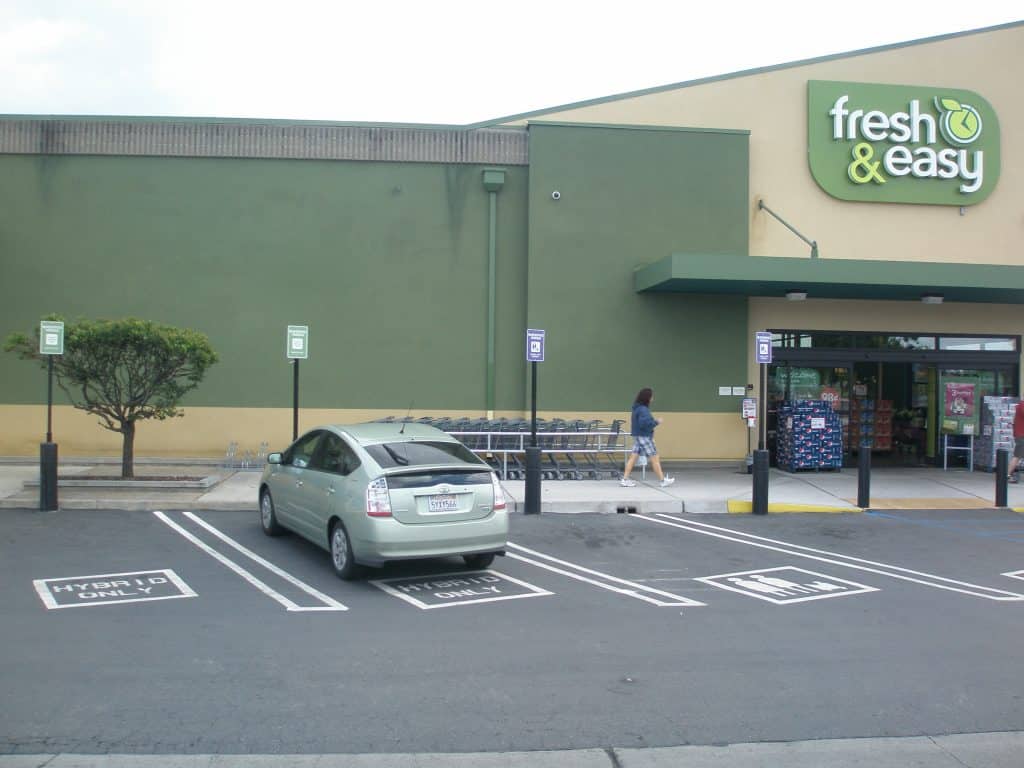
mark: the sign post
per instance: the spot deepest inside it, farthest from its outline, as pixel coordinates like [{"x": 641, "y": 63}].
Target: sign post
[
  {"x": 534, "y": 355},
  {"x": 297, "y": 349},
  {"x": 51, "y": 342},
  {"x": 749, "y": 414},
  {"x": 763, "y": 357}
]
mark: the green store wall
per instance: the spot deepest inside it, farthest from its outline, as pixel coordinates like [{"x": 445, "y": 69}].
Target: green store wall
[
  {"x": 386, "y": 262},
  {"x": 628, "y": 197}
]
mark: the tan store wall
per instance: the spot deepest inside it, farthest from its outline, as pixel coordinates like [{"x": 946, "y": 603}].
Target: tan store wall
[
  {"x": 773, "y": 106},
  {"x": 206, "y": 432}
]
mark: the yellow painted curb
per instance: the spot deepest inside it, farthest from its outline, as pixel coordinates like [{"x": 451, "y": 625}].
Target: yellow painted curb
[
  {"x": 1018, "y": 509},
  {"x": 745, "y": 507},
  {"x": 917, "y": 502}
]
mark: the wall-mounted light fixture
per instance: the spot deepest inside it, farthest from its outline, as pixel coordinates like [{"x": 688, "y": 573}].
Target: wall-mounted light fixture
[
  {"x": 932, "y": 298},
  {"x": 796, "y": 294}
]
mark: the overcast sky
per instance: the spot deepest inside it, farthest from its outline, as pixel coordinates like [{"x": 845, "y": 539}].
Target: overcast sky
[{"x": 434, "y": 61}]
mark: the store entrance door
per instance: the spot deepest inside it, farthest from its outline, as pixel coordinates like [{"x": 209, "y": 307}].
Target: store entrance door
[
  {"x": 896, "y": 394},
  {"x": 789, "y": 382}
]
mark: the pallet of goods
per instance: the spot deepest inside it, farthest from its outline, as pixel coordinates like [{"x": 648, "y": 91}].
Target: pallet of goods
[
  {"x": 871, "y": 424},
  {"x": 809, "y": 436},
  {"x": 996, "y": 430}
]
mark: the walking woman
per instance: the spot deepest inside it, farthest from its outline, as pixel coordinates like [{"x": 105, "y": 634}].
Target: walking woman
[{"x": 642, "y": 426}]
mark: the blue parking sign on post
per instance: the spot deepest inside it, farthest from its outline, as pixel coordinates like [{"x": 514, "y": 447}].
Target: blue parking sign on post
[
  {"x": 534, "y": 355},
  {"x": 763, "y": 357},
  {"x": 763, "y": 347},
  {"x": 534, "y": 345}
]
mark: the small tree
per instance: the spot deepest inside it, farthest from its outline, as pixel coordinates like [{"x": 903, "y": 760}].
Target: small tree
[{"x": 124, "y": 371}]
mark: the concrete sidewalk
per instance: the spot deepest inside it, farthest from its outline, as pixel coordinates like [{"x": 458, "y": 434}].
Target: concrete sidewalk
[
  {"x": 711, "y": 487},
  {"x": 978, "y": 750}
]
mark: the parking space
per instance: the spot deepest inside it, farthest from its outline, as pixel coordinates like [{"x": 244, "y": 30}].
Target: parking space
[
  {"x": 660, "y": 560},
  {"x": 695, "y": 622}
]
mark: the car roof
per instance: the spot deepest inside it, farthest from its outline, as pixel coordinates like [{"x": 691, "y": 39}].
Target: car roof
[{"x": 376, "y": 432}]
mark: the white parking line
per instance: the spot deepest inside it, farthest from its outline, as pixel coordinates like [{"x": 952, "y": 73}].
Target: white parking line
[
  {"x": 326, "y": 599},
  {"x": 634, "y": 589},
  {"x": 330, "y": 603},
  {"x": 835, "y": 558}
]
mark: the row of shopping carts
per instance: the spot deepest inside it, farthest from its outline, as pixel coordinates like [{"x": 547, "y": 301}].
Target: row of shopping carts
[
  {"x": 245, "y": 459},
  {"x": 570, "y": 449}
]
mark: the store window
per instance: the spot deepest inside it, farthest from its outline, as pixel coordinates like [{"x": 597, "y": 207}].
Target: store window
[
  {"x": 888, "y": 341},
  {"x": 898, "y": 393},
  {"x": 977, "y": 344}
]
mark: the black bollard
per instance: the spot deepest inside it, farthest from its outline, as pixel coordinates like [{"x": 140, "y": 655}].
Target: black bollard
[
  {"x": 1002, "y": 476},
  {"x": 532, "y": 480},
  {"x": 47, "y": 477},
  {"x": 760, "y": 503},
  {"x": 864, "y": 476}
]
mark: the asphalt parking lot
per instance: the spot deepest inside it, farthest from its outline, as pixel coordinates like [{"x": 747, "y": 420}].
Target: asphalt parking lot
[{"x": 191, "y": 632}]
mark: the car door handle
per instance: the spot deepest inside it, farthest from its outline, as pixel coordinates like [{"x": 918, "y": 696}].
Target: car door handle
[
  {"x": 330, "y": 490},
  {"x": 298, "y": 483}
]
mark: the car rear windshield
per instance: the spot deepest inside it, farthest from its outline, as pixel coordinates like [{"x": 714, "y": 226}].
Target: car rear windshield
[
  {"x": 437, "y": 477},
  {"x": 418, "y": 454}
]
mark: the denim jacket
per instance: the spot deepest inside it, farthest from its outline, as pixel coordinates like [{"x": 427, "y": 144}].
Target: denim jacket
[{"x": 642, "y": 423}]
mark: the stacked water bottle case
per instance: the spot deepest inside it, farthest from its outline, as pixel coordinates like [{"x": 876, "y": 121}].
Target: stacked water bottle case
[
  {"x": 871, "y": 423},
  {"x": 809, "y": 436},
  {"x": 996, "y": 430}
]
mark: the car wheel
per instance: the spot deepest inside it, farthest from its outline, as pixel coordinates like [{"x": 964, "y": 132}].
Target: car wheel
[
  {"x": 268, "y": 519},
  {"x": 477, "y": 562},
  {"x": 341, "y": 553}
]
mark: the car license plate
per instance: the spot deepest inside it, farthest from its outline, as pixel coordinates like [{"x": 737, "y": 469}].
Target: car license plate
[{"x": 442, "y": 503}]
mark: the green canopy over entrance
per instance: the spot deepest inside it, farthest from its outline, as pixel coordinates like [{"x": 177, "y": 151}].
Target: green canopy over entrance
[{"x": 831, "y": 278}]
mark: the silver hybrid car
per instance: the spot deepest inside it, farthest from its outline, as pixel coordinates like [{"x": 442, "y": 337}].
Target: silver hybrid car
[{"x": 370, "y": 493}]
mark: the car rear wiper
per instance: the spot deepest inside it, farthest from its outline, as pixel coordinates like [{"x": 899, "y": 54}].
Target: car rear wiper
[{"x": 401, "y": 460}]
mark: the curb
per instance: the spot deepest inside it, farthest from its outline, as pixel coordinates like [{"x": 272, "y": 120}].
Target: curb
[
  {"x": 515, "y": 507},
  {"x": 132, "y": 505},
  {"x": 138, "y": 484},
  {"x": 746, "y": 507}
]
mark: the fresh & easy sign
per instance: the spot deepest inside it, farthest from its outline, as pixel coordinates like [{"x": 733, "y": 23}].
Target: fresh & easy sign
[{"x": 902, "y": 144}]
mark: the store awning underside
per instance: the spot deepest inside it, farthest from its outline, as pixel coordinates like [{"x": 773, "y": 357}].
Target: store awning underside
[{"x": 831, "y": 278}]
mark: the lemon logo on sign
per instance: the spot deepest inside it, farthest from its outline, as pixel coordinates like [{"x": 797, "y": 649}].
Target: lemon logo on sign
[
  {"x": 876, "y": 143},
  {"x": 961, "y": 123}
]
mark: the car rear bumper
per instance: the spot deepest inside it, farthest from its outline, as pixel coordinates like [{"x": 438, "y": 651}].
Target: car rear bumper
[{"x": 387, "y": 539}]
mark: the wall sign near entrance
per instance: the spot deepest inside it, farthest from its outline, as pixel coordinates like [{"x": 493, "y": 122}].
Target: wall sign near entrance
[
  {"x": 762, "y": 347},
  {"x": 902, "y": 144}
]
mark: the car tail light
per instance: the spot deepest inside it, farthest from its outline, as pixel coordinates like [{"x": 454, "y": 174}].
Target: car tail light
[
  {"x": 499, "y": 495},
  {"x": 378, "y": 500}
]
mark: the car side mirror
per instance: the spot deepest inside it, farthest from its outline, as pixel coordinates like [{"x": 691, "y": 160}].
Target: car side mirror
[{"x": 274, "y": 458}]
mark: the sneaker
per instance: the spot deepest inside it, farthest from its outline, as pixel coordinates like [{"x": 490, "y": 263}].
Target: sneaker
[
  {"x": 627, "y": 483},
  {"x": 1011, "y": 479},
  {"x": 667, "y": 482}
]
